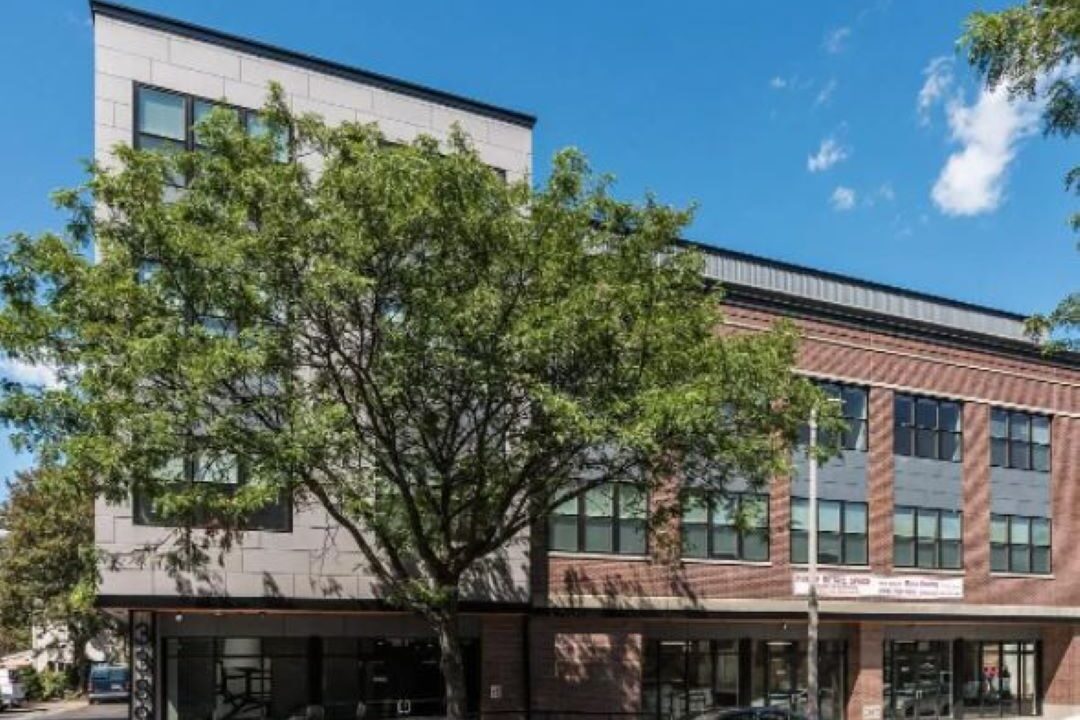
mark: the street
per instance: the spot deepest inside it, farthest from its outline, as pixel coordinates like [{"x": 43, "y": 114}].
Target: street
[{"x": 70, "y": 711}]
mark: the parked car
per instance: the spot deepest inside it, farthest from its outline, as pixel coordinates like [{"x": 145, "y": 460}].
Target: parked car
[
  {"x": 109, "y": 682},
  {"x": 12, "y": 692}
]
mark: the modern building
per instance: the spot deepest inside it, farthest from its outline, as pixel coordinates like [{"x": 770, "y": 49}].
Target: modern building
[{"x": 946, "y": 528}]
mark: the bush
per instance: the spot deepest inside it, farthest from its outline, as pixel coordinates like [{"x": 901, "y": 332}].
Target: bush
[{"x": 47, "y": 685}]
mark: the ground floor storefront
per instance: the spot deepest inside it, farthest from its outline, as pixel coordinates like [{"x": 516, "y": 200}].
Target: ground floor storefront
[{"x": 227, "y": 665}]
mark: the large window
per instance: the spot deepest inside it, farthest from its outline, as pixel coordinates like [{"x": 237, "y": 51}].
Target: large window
[
  {"x": 1019, "y": 440},
  {"x": 733, "y": 526},
  {"x": 927, "y": 538},
  {"x": 999, "y": 679},
  {"x": 201, "y": 476},
  {"x": 1020, "y": 544},
  {"x": 927, "y": 428},
  {"x": 611, "y": 518},
  {"x": 167, "y": 121},
  {"x": 842, "y": 532},
  {"x": 681, "y": 677},
  {"x": 853, "y": 408}
]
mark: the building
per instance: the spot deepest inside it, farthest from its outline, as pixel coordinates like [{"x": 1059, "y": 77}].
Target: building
[{"x": 946, "y": 528}]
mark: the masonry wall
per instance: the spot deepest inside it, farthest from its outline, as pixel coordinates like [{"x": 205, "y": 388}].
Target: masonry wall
[{"x": 886, "y": 363}]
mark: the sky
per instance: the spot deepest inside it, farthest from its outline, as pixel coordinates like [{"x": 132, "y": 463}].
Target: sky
[{"x": 847, "y": 136}]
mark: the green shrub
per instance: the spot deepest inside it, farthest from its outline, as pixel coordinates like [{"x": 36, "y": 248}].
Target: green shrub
[
  {"x": 31, "y": 683},
  {"x": 47, "y": 685}
]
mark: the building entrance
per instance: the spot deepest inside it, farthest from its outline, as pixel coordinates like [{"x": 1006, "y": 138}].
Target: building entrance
[{"x": 918, "y": 679}]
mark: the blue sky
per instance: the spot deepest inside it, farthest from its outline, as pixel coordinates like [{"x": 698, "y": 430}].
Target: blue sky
[{"x": 844, "y": 135}]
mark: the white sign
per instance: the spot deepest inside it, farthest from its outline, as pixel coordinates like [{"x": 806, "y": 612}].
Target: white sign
[
  {"x": 871, "y": 712},
  {"x": 865, "y": 585}
]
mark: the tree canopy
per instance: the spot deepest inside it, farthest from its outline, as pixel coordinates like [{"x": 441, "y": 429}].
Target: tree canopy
[
  {"x": 1033, "y": 49},
  {"x": 436, "y": 356}
]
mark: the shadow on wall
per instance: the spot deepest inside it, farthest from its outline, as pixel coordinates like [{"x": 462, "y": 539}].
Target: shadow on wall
[{"x": 615, "y": 591}]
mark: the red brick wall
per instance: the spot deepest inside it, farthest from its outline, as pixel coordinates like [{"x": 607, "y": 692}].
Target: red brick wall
[
  {"x": 586, "y": 665},
  {"x": 979, "y": 379},
  {"x": 864, "y": 670}
]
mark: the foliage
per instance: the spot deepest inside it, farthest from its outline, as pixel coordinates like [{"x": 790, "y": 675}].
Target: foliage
[
  {"x": 436, "y": 356},
  {"x": 1032, "y": 50},
  {"x": 45, "y": 685},
  {"x": 49, "y": 571}
]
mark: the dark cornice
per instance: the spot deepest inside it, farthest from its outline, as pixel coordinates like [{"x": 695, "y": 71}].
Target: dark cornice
[
  {"x": 860, "y": 282},
  {"x": 799, "y": 307},
  {"x": 310, "y": 62},
  {"x": 283, "y": 604}
]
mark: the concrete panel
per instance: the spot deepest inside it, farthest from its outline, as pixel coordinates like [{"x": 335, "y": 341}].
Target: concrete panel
[
  {"x": 928, "y": 483},
  {"x": 840, "y": 478},
  {"x": 204, "y": 58},
  {"x": 1019, "y": 492}
]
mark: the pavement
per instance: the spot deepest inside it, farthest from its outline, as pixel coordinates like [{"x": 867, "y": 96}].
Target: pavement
[{"x": 69, "y": 710}]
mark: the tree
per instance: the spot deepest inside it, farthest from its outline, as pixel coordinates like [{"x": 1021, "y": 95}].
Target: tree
[
  {"x": 1033, "y": 50},
  {"x": 48, "y": 564},
  {"x": 435, "y": 356}
]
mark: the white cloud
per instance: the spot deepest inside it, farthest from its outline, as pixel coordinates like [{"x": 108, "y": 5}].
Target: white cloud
[
  {"x": 28, "y": 373},
  {"x": 778, "y": 83},
  {"x": 972, "y": 181},
  {"x": 825, "y": 94},
  {"x": 835, "y": 39},
  {"x": 830, "y": 153},
  {"x": 842, "y": 198},
  {"x": 939, "y": 78},
  {"x": 886, "y": 192}
]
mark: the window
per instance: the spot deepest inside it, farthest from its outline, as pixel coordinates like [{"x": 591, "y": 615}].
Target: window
[
  {"x": 167, "y": 121},
  {"x": 927, "y": 428},
  {"x": 1000, "y": 678},
  {"x": 853, "y": 408},
  {"x": 609, "y": 518},
  {"x": 733, "y": 526},
  {"x": 219, "y": 474},
  {"x": 1019, "y": 440},
  {"x": 927, "y": 538},
  {"x": 1020, "y": 544},
  {"x": 842, "y": 536}
]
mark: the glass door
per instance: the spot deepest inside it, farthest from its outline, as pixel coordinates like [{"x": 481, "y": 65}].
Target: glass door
[{"x": 919, "y": 680}]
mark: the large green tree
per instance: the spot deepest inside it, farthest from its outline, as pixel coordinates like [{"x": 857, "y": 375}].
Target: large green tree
[
  {"x": 1033, "y": 50},
  {"x": 48, "y": 563},
  {"x": 394, "y": 332}
]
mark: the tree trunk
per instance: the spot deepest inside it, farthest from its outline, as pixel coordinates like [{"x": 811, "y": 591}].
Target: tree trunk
[{"x": 451, "y": 662}]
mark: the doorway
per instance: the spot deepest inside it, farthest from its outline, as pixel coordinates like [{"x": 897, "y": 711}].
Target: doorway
[{"x": 918, "y": 679}]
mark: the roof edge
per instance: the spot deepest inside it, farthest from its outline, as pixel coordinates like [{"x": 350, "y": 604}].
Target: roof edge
[
  {"x": 192, "y": 31},
  {"x": 861, "y": 282}
]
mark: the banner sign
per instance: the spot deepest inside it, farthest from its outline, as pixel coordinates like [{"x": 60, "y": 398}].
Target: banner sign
[{"x": 866, "y": 585}]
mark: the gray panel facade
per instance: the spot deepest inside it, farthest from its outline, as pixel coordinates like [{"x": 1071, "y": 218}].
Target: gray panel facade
[
  {"x": 928, "y": 483},
  {"x": 1019, "y": 492},
  {"x": 841, "y": 478}
]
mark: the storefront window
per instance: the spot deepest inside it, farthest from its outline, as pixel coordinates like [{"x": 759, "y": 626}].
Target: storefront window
[
  {"x": 281, "y": 678},
  {"x": 999, "y": 679},
  {"x": 683, "y": 678},
  {"x": 784, "y": 677}
]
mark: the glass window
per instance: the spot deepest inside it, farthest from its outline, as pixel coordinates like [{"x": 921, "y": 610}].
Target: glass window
[
  {"x": 853, "y": 410},
  {"x": 610, "y": 518},
  {"x": 928, "y": 428},
  {"x": 1019, "y": 440},
  {"x": 1020, "y": 544},
  {"x": 927, "y": 538},
  {"x": 842, "y": 532},
  {"x": 162, "y": 114},
  {"x": 732, "y": 526}
]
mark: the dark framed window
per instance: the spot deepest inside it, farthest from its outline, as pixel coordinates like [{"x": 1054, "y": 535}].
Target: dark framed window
[
  {"x": 1020, "y": 544},
  {"x": 854, "y": 410},
  {"x": 1000, "y": 678},
  {"x": 167, "y": 121},
  {"x": 927, "y": 428},
  {"x": 221, "y": 475},
  {"x": 733, "y": 526},
  {"x": 928, "y": 538},
  {"x": 842, "y": 532},
  {"x": 611, "y": 518},
  {"x": 1019, "y": 440}
]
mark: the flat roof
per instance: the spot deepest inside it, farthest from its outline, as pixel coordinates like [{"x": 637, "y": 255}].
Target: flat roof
[{"x": 154, "y": 21}]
